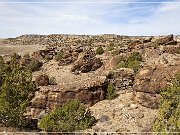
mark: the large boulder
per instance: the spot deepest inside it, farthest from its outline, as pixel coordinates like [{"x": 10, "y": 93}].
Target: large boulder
[
  {"x": 153, "y": 79},
  {"x": 48, "y": 97},
  {"x": 40, "y": 54},
  {"x": 150, "y": 80},
  {"x": 87, "y": 62},
  {"x": 122, "y": 79},
  {"x": 167, "y": 40},
  {"x": 148, "y": 100}
]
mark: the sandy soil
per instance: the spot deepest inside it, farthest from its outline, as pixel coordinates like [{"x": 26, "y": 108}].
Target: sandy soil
[{"x": 20, "y": 49}]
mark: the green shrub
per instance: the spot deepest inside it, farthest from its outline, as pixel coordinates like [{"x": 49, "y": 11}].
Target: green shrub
[
  {"x": 16, "y": 92},
  {"x": 133, "y": 61},
  {"x": 72, "y": 116},
  {"x": 99, "y": 50},
  {"x": 52, "y": 81},
  {"x": 168, "y": 119},
  {"x": 35, "y": 65},
  {"x": 59, "y": 56},
  {"x": 110, "y": 91},
  {"x": 15, "y": 58},
  {"x": 1, "y": 64},
  {"x": 110, "y": 48}
]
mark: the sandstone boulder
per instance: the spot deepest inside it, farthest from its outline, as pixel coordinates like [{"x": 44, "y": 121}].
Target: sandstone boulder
[
  {"x": 152, "y": 79},
  {"x": 87, "y": 62},
  {"x": 51, "y": 96},
  {"x": 68, "y": 58},
  {"x": 122, "y": 78},
  {"x": 148, "y": 100},
  {"x": 147, "y": 39},
  {"x": 167, "y": 40}
]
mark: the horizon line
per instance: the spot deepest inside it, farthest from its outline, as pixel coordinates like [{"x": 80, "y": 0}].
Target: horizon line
[{"x": 88, "y": 2}]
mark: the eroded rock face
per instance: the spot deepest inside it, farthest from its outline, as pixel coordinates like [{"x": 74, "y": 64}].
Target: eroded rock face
[
  {"x": 69, "y": 56},
  {"x": 49, "y": 97},
  {"x": 40, "y": 54},
  {"x": 152, "y": 79},
  {"x": 171, "y": 49},
  {"x": 168, "y": 40},
  {"x": 148, "y": 100},
  {"x": 87, "y": 62},
  {"x": 149, "y": 81},
  {"x": 122, "y": 79}
]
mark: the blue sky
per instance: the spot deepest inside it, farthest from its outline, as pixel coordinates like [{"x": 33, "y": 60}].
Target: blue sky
[{"x": 124, "y": 17}]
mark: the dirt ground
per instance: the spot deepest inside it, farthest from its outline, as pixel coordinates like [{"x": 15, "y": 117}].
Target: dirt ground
[{"x": 20, "y": 49}]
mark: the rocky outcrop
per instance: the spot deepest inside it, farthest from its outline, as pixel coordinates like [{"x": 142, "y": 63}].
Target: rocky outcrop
[
  {"x": 87, "y": 62},
  {"x": 147, "y": 99},
  {"x": 175, "y": 49},
  {"x": 167, "y": 40},
  {"x": 51, "y": 96},
  {"x": 40, "y": 54},
  {"x": 122, "y": 79},
  {"x": 69, "y": 56},
  {"x": 150, "y": 80}
]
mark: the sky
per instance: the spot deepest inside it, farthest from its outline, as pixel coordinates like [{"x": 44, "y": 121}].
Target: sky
[{"x": 122, "y": 17}]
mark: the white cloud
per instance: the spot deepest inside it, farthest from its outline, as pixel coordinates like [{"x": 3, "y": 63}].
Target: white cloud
[{"x": 119, "y": 18}]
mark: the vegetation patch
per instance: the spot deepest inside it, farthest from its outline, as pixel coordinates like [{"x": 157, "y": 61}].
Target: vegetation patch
[
  {"x": 72, "y": 116},
  {"x": 111, "y": 94},
  {"x": 99, "y": 50},
  {"x": 110, "y": 47},
  {"x": 59, "y": 56},
  {"x": 133, "y": 61},
  {"x": 168, "y": 119},
  {"x": 35, "y": 65},
  {"x": 16, "y": 92}
]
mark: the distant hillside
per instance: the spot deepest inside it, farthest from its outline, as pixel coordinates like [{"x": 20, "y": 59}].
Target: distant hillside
[{"x": 66, "y": 39}]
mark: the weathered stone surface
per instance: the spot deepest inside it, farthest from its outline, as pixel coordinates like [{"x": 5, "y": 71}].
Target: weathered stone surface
[
  {"x": 171, "y": 49},
  {"x": 122, "y": 78},
  {"x": 42, "y": 80},
  {"x": 48, "y": 97},
  {"x": 148, "y": 100},
  {"x": 87, "y": 62},
  {"x": 40, "y": 54},
  {"x": 69, "y": 56},
  {"x": 135, "y": 45},
  {"x": 152, "y": 79},
  {"x": 122, "y": 115},
  {"x": 167, "y": 40},
  {"x": 147, "y": 39}
]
